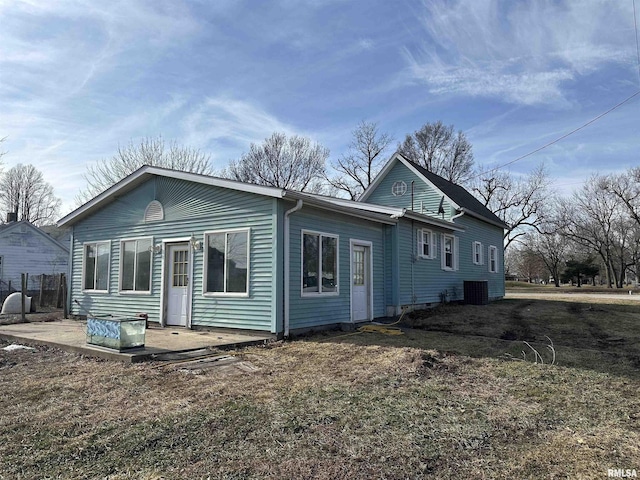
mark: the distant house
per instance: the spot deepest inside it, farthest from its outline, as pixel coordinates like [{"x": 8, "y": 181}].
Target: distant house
[
  {"x": 199, "y": 251},
  {"x": 24, "y": 248}
]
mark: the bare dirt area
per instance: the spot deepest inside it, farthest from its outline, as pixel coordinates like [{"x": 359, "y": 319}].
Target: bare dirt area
[
  {"x": 43, "y": 314},
  {"x": 440, "y": 401}
]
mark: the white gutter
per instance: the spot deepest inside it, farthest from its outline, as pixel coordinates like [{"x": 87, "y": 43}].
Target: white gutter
[{"x": 287, "y": 287}]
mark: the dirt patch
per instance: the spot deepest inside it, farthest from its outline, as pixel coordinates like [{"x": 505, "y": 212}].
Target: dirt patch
[{"x": 43, "y": 315}]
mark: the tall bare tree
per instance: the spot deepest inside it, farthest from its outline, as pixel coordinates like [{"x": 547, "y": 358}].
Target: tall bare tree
[
  {"x": 356, "y": 169},
  {"x": 23, "y": 190},
  {"x": 149, "y": 151},
  {"x": 522, "y": 203},
  {"x": 595, "y": 218},
  {"x": 439, "y": 149},
  {"x": 552, "y": 248},
  {"x": 294, "y": 163}
]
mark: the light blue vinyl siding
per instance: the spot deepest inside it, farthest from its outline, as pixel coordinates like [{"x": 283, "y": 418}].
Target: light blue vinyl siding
[
  {"x": 424, "y": 281},
  {"x": 190, "y": 209},
  {"x": 423, "y": 194},
  {"x": 313, "y": 311}
]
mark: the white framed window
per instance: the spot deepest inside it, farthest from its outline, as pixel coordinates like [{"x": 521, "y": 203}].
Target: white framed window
[
  {"x": 399, "y": 188},
  {"x": 226, "y": 262},
  {"x": 478, "y": 257},
  {"x": 135, "y": 265},
  {"x": 96, "y": 258},
  {"x": 426, "y": 244},
  {"x": 319, "y": 263},
  {"x": 493, "y": 259},
  {"x": 449, "y": 252}
]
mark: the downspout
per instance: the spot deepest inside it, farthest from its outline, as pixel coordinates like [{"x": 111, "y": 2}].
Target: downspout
[
  {"x": 287, "y": 287},
  {"x": 457, "y": 215}
]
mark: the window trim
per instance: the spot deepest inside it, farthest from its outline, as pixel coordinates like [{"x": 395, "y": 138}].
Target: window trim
[
  {"x": 493, "y": 249},
  {"x": 433, "y": 244},
  {"x": 319, "y": 293},
  {"x": 84, "y": 264},
  {"x": 403, "y": 187},
  {"x": 454, "y": 253},
  {"x": 121, "y": 261},
  {"x": 205, "y": 266},
  {"x": 479, "y": 252}
]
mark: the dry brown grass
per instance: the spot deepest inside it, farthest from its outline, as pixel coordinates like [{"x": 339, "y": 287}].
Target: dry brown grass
[{"x": 327, "y": 406}]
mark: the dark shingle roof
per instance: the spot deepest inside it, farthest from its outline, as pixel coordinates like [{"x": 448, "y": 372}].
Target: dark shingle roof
[{"x": 459, "y": 195}]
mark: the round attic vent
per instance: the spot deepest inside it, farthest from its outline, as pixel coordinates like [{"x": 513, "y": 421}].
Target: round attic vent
[
  {"x": 154, "y": 212},
  {"x": 399, "y": 188}
]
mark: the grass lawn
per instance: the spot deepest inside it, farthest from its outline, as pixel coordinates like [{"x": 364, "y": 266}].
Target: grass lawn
[{"x": 440, "y": 401}]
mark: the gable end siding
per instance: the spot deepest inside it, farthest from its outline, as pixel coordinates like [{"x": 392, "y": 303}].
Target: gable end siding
[{"x": 422, "y": 192}]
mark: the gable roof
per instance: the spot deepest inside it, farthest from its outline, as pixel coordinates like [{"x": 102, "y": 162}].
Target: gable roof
[
  {"x": 457, "y": 196},
  {"x": 378, "y": 213},
  {"x": 13, "y": 225},
  {"x": 146, "y": 172}
]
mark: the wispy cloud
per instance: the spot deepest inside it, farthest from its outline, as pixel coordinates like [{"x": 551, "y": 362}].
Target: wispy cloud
[
  {"x": 520, "y": 52},
  {"x": 225, "y": 124}
]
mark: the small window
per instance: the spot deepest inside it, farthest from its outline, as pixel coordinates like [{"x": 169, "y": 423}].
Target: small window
[
  {"x": 477, "y": 254},
  {"x": 96, "y": 266},
  {"x": 399, "y": 188},
  {"x": 227, "y": 262},
  {"x": 426, "y": 244},
  {"x": 319, "y": 263},
  {"x": 135, "y": 265},
  {"x": 449, "y": 252},
  {"x": 493, "y": 259}
]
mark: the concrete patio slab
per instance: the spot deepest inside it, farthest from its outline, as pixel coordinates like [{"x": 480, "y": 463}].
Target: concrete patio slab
[{"x": 70, "y": 335}]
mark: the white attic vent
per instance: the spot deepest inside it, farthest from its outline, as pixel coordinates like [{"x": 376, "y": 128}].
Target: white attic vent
[
  {"x": 154, "y": 212},
  {"x": 399, "y": 188}
]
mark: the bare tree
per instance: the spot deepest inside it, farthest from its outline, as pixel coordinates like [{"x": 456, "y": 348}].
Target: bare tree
[
  {"x": 440, "y": 150},
  {"x": 522, "y": 203},
  {"x": 552, "y": 249},
  {"x": 356, "y": 169},
  {"x": 292, "y": 162},
  {"x": 596, "y": 219},
  {"x": 150, "y": 151},
  {"x": 23, "y": 190}
]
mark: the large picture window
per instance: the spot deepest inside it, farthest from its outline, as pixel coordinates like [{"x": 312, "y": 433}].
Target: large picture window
[
  {"x": 135, "y": 265},
  {"x": 227, "y": 262},
  {"x": 96, "y": 266},
  {"x": 319, "y": 263}
]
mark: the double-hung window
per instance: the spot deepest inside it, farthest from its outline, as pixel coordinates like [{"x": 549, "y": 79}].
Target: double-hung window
[
  {"x": 477, "y": 254},
  {"x": 319, "y": 263},
  {"x": 426, "y": 244},
  {"x": 135, "y": 265},
  {"x": 449, "y": 252},
  {"x": 493, "y": 259},
  {"x": 227, "y": 262},
  {"x": 96, "y": 258}
]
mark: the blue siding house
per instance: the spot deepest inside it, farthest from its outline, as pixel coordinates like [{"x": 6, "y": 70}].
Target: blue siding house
[{"x": 199, "y": 251}]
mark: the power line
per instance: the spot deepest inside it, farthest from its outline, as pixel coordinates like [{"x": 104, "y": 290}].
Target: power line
[
  {"x": 635, "y": 24},
  {"x": 575, "y": 130}
]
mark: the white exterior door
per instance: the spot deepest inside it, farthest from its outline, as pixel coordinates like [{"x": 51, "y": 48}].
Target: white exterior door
[
  {"x": 177, "y": 282},
  {"x": 360, "y": 283}
]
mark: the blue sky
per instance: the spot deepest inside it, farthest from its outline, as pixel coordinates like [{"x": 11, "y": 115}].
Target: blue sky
[{"x": 78, "y": 78}]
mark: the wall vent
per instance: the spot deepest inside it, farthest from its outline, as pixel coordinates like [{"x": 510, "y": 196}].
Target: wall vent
[{"x": 154, "y": 212}]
